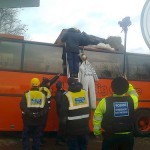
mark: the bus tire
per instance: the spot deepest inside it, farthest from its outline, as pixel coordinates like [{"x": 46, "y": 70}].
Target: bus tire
[{"x": 142, "y": 123}]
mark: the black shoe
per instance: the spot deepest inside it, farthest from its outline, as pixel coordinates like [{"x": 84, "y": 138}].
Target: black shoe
[
  {"x": 75, "y": 75},
  {"x": 63, "y": 140},
  {"x": 60, "y": 143},
  {"x": 43, "y": 141}
]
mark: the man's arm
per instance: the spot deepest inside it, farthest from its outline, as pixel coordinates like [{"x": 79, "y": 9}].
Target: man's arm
[
  {"x": 64, "y": 112},
  {"x": 132, "y": 92},
  {"x": 64, "y": 37},
  {"x": 98, "y": 116},
  {"x": 23, "y": 106},
  {"x": 45, "y": 109},
  {"x": 54, "y": 79}
]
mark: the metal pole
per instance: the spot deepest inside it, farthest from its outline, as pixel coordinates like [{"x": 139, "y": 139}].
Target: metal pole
[
  {"x": 125, "y": 23},
  {"x": 125, "y": 42}
]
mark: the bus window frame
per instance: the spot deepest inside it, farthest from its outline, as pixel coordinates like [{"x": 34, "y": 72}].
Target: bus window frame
[{"x": 23, "y": 42}]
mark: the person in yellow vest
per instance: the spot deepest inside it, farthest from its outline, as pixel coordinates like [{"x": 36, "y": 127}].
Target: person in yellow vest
[
  {"x": 75, "y": 113},
  {"x": 113, "y": 117},
  {"x": 34, "y": 106}
]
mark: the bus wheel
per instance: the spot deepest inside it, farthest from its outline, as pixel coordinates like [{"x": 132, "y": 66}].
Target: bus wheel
[{"x": 142, "y": 123}]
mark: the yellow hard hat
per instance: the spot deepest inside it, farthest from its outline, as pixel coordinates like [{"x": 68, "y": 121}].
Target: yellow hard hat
[{"x": 35, "y": 82}]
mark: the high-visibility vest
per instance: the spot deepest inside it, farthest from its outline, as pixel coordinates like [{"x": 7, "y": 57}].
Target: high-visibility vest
[
  {"x": 77, "y": 101},
  {"x": 35, "y": 99},
  {"x": 119, "y": 114}
]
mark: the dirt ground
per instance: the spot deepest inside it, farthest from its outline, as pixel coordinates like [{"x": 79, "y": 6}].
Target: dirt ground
[{"x": 15, "y": 144}]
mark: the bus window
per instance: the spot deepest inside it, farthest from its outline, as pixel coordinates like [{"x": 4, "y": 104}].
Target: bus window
[
  {"x": 138, "y": 66},
  {"x": 10, "y": 55},
  {"x": 42, "y": 58},
  {"x": 107, "y": 65}
]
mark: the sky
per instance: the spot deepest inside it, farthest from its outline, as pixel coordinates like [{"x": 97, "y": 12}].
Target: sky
[{"x": 96, "y": 17}]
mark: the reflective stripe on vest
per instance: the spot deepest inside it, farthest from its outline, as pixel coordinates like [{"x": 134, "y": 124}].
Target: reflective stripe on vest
[
  {"x": 35, "y": 99},
  {"x": 77, "y": 100},
  {"x": 78, "y": 117}
]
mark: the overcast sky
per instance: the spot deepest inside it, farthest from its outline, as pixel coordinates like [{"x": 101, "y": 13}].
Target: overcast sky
[{"x": 96, "y": 17}]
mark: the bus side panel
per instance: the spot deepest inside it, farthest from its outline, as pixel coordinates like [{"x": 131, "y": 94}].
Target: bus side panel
[
  {"x": 143, "y": 92},
  {"x": 103, "y": 89},
  {"x": 12, "y": 87},
  {"x": 10, "y": 114},
  {"x": 52, "y": 122}
]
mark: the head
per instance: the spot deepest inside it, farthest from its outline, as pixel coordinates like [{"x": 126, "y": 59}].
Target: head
[
  {"x": 79, "y": 84},
  {"x": 74, "y": 29},
  {"x": 71, "y": 81},
  {"x": 119, "y": 85},
  {"x": 45, "y": 82},
  {"x": 35, "y": 82},
  {"x": 83, "y": 57},
  {"x": 59, "y": 85}
]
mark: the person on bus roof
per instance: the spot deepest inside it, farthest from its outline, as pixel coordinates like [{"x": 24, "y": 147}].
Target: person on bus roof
[
  {"x": 113, "y": 117},
  {"x": 72, "y": 39},
  {"x": 34, "y": 106}
]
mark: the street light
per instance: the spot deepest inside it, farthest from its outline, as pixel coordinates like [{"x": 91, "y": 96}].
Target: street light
[{"x": 125, "y": 23}]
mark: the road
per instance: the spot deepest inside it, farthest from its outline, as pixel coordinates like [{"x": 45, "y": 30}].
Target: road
[{"x": 9, "y": 143}]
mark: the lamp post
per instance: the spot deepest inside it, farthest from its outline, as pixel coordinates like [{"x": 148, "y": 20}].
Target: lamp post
[{"x": 125, "y": 23}]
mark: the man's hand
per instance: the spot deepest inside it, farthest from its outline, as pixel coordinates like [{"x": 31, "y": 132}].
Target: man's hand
[
  {"x": 58, "y": 74},
  {"x": 124, "y": 76}
]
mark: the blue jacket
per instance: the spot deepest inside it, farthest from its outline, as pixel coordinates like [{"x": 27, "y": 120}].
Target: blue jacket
[{"x": 73, "y": 39}]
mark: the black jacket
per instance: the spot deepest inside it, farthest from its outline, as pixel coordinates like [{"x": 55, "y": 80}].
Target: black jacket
[
  {"x": 75, "y": 127},
  {"x": 73, "y": 39},
  {"x": 119, "y": 115},
  {"x": 28, "y": 117},
  {"x": 59, "y": 97}
]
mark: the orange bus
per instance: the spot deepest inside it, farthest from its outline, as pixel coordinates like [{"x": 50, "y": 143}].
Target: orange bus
[{"x": 22, "y": 60}]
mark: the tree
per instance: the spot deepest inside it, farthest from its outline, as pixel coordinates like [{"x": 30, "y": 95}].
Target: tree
[{"x": 9, "y": 23}]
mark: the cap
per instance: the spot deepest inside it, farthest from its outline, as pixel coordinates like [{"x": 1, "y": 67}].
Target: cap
[
  {"x": 71, "y": 81},
  {"x": 119, "y": 85}
]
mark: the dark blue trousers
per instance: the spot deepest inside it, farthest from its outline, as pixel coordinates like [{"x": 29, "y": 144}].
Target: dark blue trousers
[
  {"x": 43, "y": 125},
  {"x": 35, "y": 132},
  {"x": 118, "y": 142},
  {"x": 73, "y": 61},
  {"x": 79, "y": 142}
]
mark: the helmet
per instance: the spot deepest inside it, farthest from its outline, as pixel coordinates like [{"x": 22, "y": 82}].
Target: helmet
[
  {"x": 119, "y": 85},
  {"x": 35, "y": 82}
]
